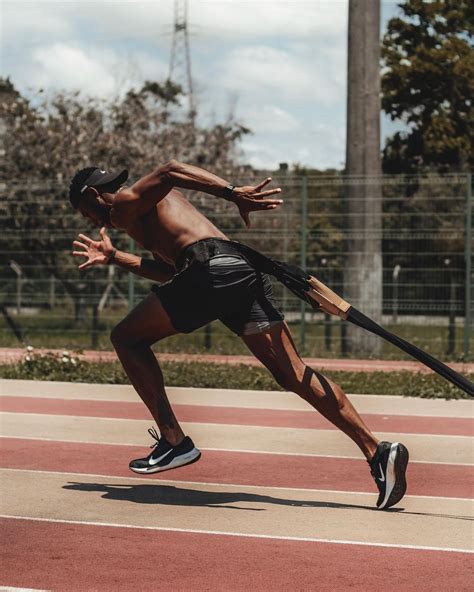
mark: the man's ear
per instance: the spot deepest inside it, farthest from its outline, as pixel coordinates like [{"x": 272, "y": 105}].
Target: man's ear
[
  {"x": 93, "y": 196},
  {"x": 93, "y": 191},
  {"x": 90, "y": 193}
]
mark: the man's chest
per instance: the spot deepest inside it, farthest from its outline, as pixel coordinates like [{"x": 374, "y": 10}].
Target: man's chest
[{"x": 149, "y": 234}]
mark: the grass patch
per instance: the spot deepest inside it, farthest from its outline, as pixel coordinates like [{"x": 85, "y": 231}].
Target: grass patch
[
  {"x": 66, "y": 367},
  {"x": 56, "y": 329}
]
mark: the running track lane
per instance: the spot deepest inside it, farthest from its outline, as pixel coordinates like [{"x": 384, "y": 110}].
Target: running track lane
[
  {"x": 84, "y": 557},
  {"x": 404, "y": 424},
  {"x": 240, "y": 468}
]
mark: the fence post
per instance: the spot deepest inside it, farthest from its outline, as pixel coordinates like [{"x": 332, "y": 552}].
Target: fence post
[
  {"x": 304, "y": 217},
  {"x": 19, "y": 279},
  {"x": 52, "y": 291},
  {"x": 131, "y": 280},
  {"x": 468, "y": 270},
  {"x": 452, "y": 316}
]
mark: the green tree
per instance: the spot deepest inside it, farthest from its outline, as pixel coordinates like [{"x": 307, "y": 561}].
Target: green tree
[
  {"x": 46, "y": 138},
  {"x": 428, "y": 84}
]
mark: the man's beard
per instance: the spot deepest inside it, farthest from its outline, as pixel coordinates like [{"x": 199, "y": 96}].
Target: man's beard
[{"x": 104, "y": 214}]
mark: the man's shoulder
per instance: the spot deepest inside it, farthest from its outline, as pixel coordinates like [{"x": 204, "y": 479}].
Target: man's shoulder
[
  {"x": 121, "y": 207},
  {"x": 124, "y": 196}
]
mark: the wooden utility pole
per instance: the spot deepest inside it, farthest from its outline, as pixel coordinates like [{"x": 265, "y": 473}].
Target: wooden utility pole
[{"x": 363, "y": 271}]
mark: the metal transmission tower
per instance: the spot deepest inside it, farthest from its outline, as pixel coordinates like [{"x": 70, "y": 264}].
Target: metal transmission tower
[{"x": 180, "y": 58}]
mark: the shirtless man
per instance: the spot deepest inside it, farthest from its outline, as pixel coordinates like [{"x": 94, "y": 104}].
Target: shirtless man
[{"x": 203, "y": 277}]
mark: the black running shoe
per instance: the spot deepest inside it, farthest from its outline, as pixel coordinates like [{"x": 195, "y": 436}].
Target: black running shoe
[
  {"x": 165, "y": 456},
  {"x": 388, "y": 468}
]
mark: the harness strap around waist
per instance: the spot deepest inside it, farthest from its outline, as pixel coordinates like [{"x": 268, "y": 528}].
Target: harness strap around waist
[
  {"x": 291, "y": 276},
  {"x": 201, "y": 251}
]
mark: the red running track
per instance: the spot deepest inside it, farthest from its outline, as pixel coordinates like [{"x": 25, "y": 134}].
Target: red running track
[
  {"x": 239, "y": 468},
  {"x": 10, "y": 355},
  {"x": 84, "y": 557},
  {"x": 403, "y": 424}
]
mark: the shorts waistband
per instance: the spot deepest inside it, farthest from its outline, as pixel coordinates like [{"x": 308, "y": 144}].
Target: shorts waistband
[{"x": 202, "y": 250}]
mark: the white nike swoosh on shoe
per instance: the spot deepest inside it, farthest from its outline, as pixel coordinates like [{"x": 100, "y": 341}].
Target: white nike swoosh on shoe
[
  {"x": 391, "y": 478},
  {"x": 155, "y": 461},
  {"x": 382, "y": 477}
]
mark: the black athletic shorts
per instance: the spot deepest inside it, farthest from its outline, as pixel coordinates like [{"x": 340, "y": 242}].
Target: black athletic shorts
[{"x": 220, "y": 286}]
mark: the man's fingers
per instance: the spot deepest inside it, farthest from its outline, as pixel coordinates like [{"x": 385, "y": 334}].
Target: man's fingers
[
  {"x": 269, "y": 192},
  {"x": 263, "y": 184},
  {"x": 267, "y": 206},
  {"x": 80, "y": 254},
  {"x": 86, "y": 239},
  {"x": 260, "y": 195},
  {"x": 84, "y": 265},
  {"x": 103, "y": 232},
  {"x": 245, "y": 218},
  {"x": 265, "y": 203},
  {"x": 80, "y": 245}
]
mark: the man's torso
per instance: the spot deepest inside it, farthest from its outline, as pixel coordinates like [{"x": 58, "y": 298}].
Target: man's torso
[{"x": 170, "y": 226}]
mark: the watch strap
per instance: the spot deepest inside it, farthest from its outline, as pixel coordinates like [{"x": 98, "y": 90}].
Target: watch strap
[{"x": 228, "y": 192}]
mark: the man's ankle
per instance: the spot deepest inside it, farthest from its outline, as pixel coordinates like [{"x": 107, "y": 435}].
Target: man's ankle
[{"x": 173, "y": 439}]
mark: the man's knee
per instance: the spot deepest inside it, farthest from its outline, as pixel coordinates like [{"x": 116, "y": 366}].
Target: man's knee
[
  {"x": 290, "y": 379},
  {"x": 120, "y": 336},
  {"x": 125, "y": 334},
  {"x": 301, "y": 380}
]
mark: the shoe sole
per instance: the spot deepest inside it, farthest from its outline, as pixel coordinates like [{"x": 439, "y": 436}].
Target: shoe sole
[
  {"x": 395, "y": 475},
  {"x": 185, "y": 459}
]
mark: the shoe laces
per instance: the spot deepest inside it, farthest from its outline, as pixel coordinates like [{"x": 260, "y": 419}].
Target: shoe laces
[{"x": 155, "y": 435}]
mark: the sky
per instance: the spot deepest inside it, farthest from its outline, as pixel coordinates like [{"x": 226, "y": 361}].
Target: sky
[{"x": 278, "y": 65}]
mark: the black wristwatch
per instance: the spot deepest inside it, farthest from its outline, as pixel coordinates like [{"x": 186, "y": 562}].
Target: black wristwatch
[{"x": 228, "y": 192}]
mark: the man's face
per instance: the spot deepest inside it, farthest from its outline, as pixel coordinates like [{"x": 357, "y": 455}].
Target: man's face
[{"x": 93, "y": 207}]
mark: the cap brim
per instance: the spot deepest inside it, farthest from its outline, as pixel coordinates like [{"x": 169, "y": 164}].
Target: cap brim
[{"x": 111, "y": 181}]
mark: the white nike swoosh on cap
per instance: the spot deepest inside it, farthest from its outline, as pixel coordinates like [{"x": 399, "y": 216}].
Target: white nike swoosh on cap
[{"x": 155, "y": 461}]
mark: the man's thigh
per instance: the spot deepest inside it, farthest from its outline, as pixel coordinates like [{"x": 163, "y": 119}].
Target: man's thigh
[
  {"x": 277, "y": 351},
  {"x": 275, "y": 348},
  {"x": 147, "y": 322}
]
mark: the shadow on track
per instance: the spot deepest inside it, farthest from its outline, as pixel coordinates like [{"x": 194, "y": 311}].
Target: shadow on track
[{"x": 169, "y": 495}]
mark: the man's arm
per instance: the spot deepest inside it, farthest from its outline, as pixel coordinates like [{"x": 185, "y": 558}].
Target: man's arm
[
  {"x": 149, "y": 190},
  {"x": 103, "y": 252},
  {"x": 158, "y": 271}
]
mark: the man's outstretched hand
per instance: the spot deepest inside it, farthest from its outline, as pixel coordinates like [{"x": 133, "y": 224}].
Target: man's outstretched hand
[
  {"x": 252, "y": 198},
  {"x": 95, "y": 252}
]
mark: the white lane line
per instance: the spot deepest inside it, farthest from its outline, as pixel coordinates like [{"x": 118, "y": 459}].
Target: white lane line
[
  {"x": 234, "y": 485},
  {"x": 305, "y": 454},
  {"x": 212, "y": 424},
  {"x": 239, "y": 534},
  {"x": 13, "y": 589}
]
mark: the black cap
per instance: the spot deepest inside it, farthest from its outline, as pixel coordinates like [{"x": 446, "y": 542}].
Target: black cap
[{"x": 97, "y": 178}]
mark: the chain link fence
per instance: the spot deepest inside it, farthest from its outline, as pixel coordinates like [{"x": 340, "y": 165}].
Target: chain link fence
[{"x": 426, "y": 276}]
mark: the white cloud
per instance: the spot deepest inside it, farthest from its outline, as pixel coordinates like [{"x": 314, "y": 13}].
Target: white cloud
[
  {"x": 71, "y": 68},
  {"x": 264, "y": 69},
  {"x": 26, "y": 23},
  {"x": 268, "y": 18},
  {"x": 284, "y": 61},
  {"x": 269, "y": 118},
  {"x": 95, "y": 71},
  {"x": 150, "y": 19},
  {"x": 319, "y": 145}
]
